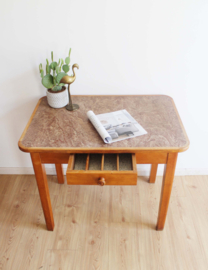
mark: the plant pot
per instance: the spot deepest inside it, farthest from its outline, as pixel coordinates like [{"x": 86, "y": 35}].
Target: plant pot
[{"x": 57, "y": 99}]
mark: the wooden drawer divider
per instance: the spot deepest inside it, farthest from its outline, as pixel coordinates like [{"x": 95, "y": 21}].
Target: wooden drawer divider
[{"x": 110, "y": 169}]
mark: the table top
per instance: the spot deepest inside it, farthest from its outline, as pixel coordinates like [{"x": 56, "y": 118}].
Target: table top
[{"x": 59, "y": 130}]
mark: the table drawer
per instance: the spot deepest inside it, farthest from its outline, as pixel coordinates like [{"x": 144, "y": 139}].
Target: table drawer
[{"x": 102, "y": 169}]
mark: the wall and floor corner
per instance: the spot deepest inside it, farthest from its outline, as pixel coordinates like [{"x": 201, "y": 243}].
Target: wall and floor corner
[{"x": 143, "y": 47}]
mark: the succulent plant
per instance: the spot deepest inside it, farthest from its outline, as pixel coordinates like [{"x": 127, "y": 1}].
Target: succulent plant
[
  {"x": 65, "y": 68},
  {"x": 52, "y": 81}
]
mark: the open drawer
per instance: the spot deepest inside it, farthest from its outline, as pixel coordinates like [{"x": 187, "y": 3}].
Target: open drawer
[{"x": 101, "y": 169}]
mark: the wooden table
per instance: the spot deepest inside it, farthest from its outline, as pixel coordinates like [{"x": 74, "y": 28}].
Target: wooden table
[{"x": 52, "y": 135}]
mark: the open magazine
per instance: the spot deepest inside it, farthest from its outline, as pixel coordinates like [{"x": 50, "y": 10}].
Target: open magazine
[{"x": 116, "y": 126}]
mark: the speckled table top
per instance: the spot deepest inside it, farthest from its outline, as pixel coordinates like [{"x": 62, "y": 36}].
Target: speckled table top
[{"x": 61, "y": 129}]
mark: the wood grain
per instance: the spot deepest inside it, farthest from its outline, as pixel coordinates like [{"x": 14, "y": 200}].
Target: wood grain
[
  {"x": 57, "y": 259},
  {"x": 60, "y": 173},
  {"x": 92, "y": 177},
  {"x": 100, "y": 177},
  {"x": 153, "y": 173},
  {"x": 102, "y": 162},
  {"x": 54, "y": 158},
  {"x": 122, "y": 238},
  {"x": 117, "y": 162},
  {"x": 168, "y": 177},
  {"x": 11, "y": 231},
  {"x": 51, "y": 141},
  {"x": 142, "y": 157},
  {"x": 103, "y": 228},
  {"x": 41, "y": 179},
  {"x": 151, "y": 157},
  {"x": 87, "y": 163}
]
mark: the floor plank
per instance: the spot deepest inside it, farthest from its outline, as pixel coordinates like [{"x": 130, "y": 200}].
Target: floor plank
[
  {"x": 56, "y": 259},
  {"x": 103, "y": 228}
]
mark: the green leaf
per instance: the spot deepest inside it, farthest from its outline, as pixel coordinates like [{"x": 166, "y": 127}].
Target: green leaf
[
  {"x": 61, "y": 84},
  {"x": 47, "y": 81},
  {"x": 57, "y": 69},
  {"x": 69, "y": 52},
  {"x": 56, "y": 88},
  {"x": 60, "y": 76},
  {"x": 67, "y": 60},
  {"x": 52, "y": 56},
  {"x": 53, "y": 65},
  {"x": 40, "y": 67},
  {"x": 48, "y": 69},
  {"x": 42, "y": 73},
  {"x": 65, "y": 68}
]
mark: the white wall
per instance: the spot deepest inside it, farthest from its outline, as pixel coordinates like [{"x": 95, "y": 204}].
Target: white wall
[{"x": 122, "y": 47}]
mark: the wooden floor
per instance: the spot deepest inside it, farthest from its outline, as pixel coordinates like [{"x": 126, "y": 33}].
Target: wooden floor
[{"x": 103, "y": 228}]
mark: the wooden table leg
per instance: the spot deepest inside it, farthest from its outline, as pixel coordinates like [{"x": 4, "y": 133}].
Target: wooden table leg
[
  {"x": 168, "y": 177},
  {"x": 60, "y": 173},
  {"x": 153, "y": 173},
  {"x": 42, "y": 183}
]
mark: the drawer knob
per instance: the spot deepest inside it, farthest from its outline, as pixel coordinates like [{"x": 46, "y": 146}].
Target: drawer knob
[{"x": 101, "y": 181}]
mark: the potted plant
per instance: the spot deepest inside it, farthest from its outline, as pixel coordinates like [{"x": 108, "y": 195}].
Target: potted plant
[{"x": 57, "y": 95}]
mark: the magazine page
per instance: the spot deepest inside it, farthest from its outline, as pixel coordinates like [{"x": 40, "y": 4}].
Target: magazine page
[
  {"x": 116, "y": 126},
  {"x": 98, "y": 126},
  {"x": 120, "y": 125}
]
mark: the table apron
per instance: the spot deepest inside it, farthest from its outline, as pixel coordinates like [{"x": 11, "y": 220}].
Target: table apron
[{"x": 142, "y": 157}]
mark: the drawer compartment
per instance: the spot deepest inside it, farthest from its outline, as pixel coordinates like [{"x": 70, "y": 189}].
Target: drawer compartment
[{"x": 101, "y": 169}]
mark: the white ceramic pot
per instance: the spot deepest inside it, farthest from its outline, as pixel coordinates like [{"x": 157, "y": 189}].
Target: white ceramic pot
[{"x": 57, "y": 99}]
